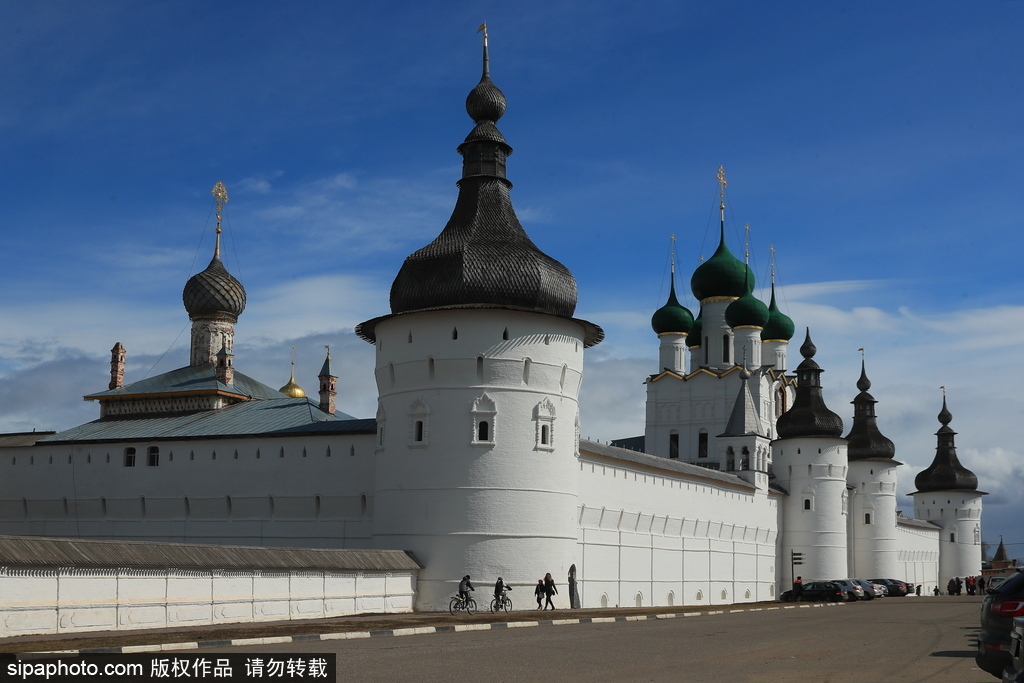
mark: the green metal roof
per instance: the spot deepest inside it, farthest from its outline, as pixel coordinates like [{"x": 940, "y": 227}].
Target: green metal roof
[
  {"x": 191, "y": 379},
  {"x": 272, "y": 417}
]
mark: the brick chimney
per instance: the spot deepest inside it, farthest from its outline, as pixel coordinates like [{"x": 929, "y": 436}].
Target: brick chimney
[{"x": 117, "y": 355}]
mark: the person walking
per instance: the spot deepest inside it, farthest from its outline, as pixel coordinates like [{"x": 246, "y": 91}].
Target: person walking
[
  {"x": 798, "y": 588},
  {"x": 549, "y": 590},
  {"x": 539, "y": 593},
  {"x": 959, "y": 585},
  {"x": 981, "y": 585},
  {"x": 951, "y": 587}
]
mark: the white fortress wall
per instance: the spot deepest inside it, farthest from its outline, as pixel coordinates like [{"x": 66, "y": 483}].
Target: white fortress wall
[
  {"x": 243, "y": 490},
  {"x": 656, "y": 537},
  {"x": 918, "y": 554}
]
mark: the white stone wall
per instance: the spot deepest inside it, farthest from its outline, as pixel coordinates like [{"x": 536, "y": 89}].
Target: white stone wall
[
  {"x": 813, "y": 470},
  {"x": 66, "y": 600},
  {"x": 315, "y": 491},
  {"x": 653, "y": 537},
  {"x": 918, "y": 557},
  {"x": 504, "y": 505},
  {"x": 958, "y": 514},
  {"x": 872, "y": 531}
]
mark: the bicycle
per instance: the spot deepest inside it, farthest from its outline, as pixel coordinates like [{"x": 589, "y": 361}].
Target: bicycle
[
  {"x": 503, "y": 603},
  {"x": 458, "y": 604}
]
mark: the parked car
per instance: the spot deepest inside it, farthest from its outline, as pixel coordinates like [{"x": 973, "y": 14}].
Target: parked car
[
  {"x": 995, "y": 581},
  {"x": 893, "y": 588},
  {"x": 871, "y": 590},
  {"x": 853, "y": 590},
  {"x": 998, "y": 610},
  {"x": 1014, "y": 673},
  {"x": 827, "y": 591}
]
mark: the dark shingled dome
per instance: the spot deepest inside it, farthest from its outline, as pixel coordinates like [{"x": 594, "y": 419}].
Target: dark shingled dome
[
  {"x": 946, "y": 473},
  {"x": 809, "y": 415},
  {"x": 213, "y": 291},
  {"x": 865, "y": 440},
  {"x": 721, "y": 275},
  {"x": 483, "y": 257}
]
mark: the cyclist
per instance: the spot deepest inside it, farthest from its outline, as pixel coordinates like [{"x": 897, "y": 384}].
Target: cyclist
[
  {"x": 464, "y": 586},
  {"x": 499, "y": 590}
]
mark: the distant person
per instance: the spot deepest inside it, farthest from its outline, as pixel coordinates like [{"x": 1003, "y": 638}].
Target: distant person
[
  {"x": 549, "y": 590},
  {"x": 798, "y": 588},
  {"x": 951, "y": 587},
  {"x": 539, "y": 593},
  {"x": 464, "y": 587},
  {"x": 959, "y": 585},
  {"x": 970, "y": 585},
  {"x": 917, "y": 591},
  {"x": 981, "y": 585}
]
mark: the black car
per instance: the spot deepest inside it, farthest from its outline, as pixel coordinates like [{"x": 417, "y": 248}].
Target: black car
[
  {"x": 998, "y": 610},
  {"x": 1014, "y": 673},
  {"x": 815, "y": 591}
]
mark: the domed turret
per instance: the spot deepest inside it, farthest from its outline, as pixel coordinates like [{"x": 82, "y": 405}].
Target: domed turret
[
  {"x": 292, "y": 388},
  {"x": 213, "y": 291},
  {"x": 779, "y": 326},
  {"x": 946, "y": 473},
  {"x": 865, "y": 441},
  {"x": 721, "y": 275},
  {"x": 747, "y": 311},
  {"x": 809, "y": 415},
  {"x": 673, "y": 317},
  {"x": 483, "y": 257}
]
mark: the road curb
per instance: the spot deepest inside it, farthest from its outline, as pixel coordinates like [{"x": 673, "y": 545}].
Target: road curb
[{"x": 423, "y": 630}]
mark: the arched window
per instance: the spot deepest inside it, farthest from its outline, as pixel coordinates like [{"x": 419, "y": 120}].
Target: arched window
[
  {"x": 673, "y": 445},
  {"x": 455, "y": 333},
  {"x": 545, "y": 435},
  {"x": 484, "y": 421},
  {"x": 483, "y": 431},
  {"x": 419, "y": 431},
  {"x": 702, "y": 444},
  {"x": 526, "y": 370},
  {"x": 807, "y": 503},
  {"x": 867, "y": 518}
]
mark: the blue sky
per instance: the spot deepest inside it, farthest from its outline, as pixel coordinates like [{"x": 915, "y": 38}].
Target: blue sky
[{"x": 876, "y": 145}]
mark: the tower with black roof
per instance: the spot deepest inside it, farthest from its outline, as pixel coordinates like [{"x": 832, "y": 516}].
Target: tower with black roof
[
  {"x": 810, "y": 462},
  {"x": 478, "y": 372},
  {"x": 947, "y": 495},
  {"x": 872, "y": 487}
]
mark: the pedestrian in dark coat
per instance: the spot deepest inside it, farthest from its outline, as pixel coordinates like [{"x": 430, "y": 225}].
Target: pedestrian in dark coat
[
  {"x": 951, "y": 587},
  {"x": 959, "y": 585},
  {"x": 549, "y": 590},
  {"x": 539, "y": 592},
  {"x": 981, "y": 585}
]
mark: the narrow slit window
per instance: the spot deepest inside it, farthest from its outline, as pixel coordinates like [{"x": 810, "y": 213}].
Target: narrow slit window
[{"x": 483, "y": 431}]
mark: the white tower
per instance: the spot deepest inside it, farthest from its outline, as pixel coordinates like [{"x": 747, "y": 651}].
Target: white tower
[
  {"x": 872, "y": 482},
  {"x": 947, "y": 495},
  {"x": 810, "y": 462},
  {"x": 478, "y": 372}
]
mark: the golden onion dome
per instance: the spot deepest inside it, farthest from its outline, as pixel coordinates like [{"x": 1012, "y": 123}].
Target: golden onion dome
[{"x": 292, "y": 389}]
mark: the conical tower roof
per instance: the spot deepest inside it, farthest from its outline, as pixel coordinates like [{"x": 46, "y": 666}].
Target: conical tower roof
[
  {"x": 865, "y": 441},
  {"x": 809, "y": 415},
  {"x": 744, "y": 419},
  {"x": 946, "y": 473},
  {"x": 483, "y": 257}
]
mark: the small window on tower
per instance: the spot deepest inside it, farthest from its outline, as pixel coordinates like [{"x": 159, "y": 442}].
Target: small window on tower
[
  {"x": 419, "y": 430},
  {"x": 483, "y": 431},
  {"x": 545, "y": 435},
  {"x": 867, "y": 518},
  {"x": 702, "y": 445},
  {"x": 673, "y": 445},
  {"x": 807, "y": 503},
  {"x": 725, "y": 348}
]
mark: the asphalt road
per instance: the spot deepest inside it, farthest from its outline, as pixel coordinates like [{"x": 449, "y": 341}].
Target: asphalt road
[{"x": 907, "y": 640}]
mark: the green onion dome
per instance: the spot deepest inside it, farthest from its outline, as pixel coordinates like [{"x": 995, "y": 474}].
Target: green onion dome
[
  {"x": 779, "y": 326},
  {"x": 696, "y": 336},
  {"x": 722, "y": 275},
  {"x": 747, "y": 311},
  {"x": 672, "y": 317}
]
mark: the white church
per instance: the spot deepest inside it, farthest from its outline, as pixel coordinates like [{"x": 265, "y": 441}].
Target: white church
[{"x": 474, "y": 461}]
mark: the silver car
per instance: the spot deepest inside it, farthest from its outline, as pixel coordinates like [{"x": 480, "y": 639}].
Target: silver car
[{"x": 853, "y": 590}]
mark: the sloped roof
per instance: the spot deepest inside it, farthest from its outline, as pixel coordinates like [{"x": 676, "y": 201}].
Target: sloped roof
[
  {"x": 19, "y": 439},
  {"x": 654, "y": 461},
  {"x": 76, "y": 552},
  {"x": 920, "y": 523},
  {"x": 191, "y": 379},
  {"x": 273, "y": 417},
  {"x": 744, "y": 420}
]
